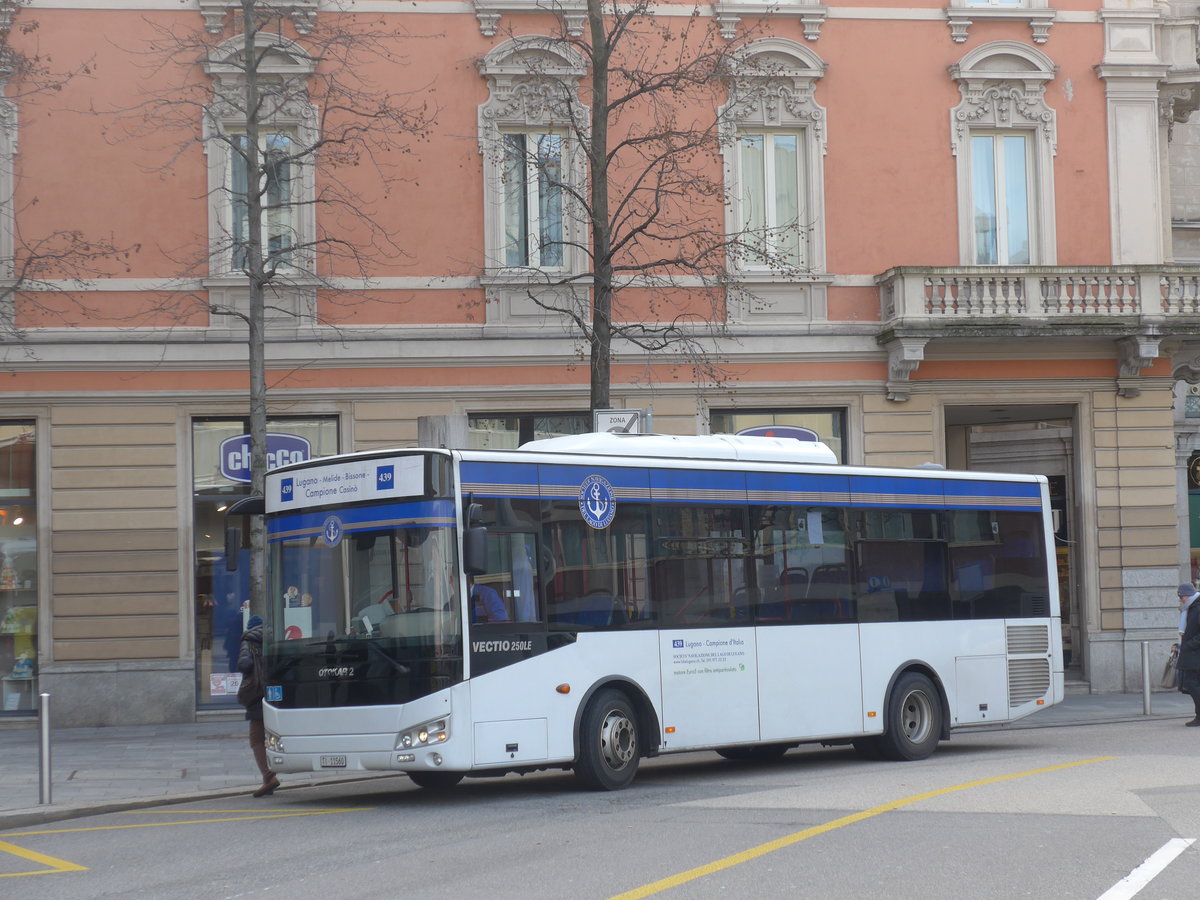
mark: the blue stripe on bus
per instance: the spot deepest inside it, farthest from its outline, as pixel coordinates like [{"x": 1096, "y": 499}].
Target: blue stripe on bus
[
  {"x": 993, "y": 494},
  {"x": 809, "y": 490},
  {"x": 490, "y": 479},
  {"x": 563, "y": 482},
  {"x": 429, "y": 513},
  {"x": 897, "y": 491},
  {"x": 692, "y": 486}
]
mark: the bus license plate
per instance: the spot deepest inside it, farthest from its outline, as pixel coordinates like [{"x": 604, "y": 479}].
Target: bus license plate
[{"x": 333, "y": 762}]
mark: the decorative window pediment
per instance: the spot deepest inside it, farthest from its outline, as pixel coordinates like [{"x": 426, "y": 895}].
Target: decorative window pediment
[
  {"x": 1003, "y": 85},
  {"x": 771, "y": 84}
]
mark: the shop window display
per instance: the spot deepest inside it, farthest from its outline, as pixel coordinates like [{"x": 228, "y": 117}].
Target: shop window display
[
  {"x": 221, "y": 477},
  {"x": 18, "y": 570}
]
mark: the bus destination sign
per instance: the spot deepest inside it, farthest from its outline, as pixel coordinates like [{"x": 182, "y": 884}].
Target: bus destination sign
[{"x": 348, "y": 481}]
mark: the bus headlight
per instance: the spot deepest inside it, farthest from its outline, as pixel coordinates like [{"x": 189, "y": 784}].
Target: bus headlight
[
  {"x": 274, "y": 742},
  {"x": 424, "y": 735}
]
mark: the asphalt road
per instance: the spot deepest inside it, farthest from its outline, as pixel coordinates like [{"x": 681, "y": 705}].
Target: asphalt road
[{"x": 1044, "y": 813}]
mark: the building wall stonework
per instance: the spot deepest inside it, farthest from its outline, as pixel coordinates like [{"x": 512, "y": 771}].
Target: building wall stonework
[{"x": 1138, "y": 535}]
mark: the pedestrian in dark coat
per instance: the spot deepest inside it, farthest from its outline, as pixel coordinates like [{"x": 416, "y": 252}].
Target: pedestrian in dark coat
[
  {"x": 1189, "y": 650},
  {"x": 251, "y": 696}
]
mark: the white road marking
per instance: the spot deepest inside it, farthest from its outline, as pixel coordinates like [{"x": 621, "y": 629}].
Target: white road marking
[{"x": 1132, "y": 883}]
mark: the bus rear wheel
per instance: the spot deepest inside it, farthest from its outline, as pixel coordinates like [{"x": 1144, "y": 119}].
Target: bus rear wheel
[
  {"x": 608, "y": 743},
  {"x": 914, "y": 719},
  {"x": 435, "y": 781}
]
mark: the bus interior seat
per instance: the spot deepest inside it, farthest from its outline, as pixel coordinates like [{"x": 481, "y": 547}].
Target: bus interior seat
[
  {"x": 828, "y": 595},
  {"x": 794, "y": 575}
]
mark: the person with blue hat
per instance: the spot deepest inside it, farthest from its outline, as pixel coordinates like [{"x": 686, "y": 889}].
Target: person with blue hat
[{"x": 250, "y": 695}]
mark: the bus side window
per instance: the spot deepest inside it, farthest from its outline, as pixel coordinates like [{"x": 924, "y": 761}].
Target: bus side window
[
  {"x": 512, "y": 574},
  {"x": 512, "y": 562}
]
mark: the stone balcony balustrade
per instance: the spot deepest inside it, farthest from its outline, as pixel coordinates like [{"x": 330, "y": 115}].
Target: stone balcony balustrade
[{"x": 1137, "y": 307}]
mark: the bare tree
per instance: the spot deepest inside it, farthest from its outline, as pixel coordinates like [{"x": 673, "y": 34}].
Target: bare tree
[
  {"x": 631, "y": 244},
  {"x": 292, "y": 122}
]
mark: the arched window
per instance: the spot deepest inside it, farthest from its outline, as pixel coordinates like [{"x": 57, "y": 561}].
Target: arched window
[
  {"x": 528, "y": 130},
  {"x": 1004, "y": 138},
  {"x": 773, "y": 140},
  {"x": 287, "y": 132}
]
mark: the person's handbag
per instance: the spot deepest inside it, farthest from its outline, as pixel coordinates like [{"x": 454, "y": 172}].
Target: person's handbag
[
  {"x": 1170, "y": 675},
  {"x": 251, "y": 689}
]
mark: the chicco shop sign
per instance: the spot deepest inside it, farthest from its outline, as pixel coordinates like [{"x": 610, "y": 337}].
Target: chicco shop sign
[{"x": 282, "y": 450}]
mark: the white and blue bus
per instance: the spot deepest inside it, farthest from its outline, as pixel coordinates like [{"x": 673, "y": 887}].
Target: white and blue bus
[{"x": 584, "y": 602}]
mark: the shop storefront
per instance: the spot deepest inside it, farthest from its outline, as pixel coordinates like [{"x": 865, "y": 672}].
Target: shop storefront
[
  {"x": 221, "y": 476},
  {"x": 18, "y": 569}
]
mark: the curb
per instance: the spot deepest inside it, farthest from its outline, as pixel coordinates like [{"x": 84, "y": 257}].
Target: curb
[{"x": 23, "y": 818}]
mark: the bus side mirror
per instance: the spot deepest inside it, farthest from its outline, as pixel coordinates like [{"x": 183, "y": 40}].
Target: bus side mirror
[
  {"x": 475, "y": 550},
  {"x": 233, "y": 547}
]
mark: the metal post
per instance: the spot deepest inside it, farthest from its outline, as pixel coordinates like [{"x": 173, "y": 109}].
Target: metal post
[
  {"x": 1145, "y": 678},
  {"x": 44, "y": 747}
]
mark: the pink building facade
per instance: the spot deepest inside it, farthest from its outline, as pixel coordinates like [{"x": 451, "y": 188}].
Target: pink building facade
[{"x": 965, "y": 240}]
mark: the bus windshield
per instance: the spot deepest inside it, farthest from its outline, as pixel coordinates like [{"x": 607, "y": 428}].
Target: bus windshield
[{"x": 371, "y": 616}]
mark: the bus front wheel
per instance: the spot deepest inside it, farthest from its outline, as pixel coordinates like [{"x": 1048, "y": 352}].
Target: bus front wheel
[
  {"x": 608, "y": 743},
  {"x": 435, "y": 781},
  {"x": 914, "y": 720}
]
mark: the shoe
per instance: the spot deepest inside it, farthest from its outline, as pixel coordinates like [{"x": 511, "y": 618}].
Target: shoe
[
  {"x": 268, "y": 787},
  {"x": 1195, "y": 723}
]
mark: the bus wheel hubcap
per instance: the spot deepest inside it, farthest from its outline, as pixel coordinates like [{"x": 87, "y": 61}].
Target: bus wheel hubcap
[
  {"x": 617, "y": 740},
  {"x": 915, "y": 716}
]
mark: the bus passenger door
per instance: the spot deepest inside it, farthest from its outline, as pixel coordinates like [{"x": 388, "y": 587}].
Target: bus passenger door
[
  {"x": 710, "y": 687},
  {"x": 810, "y": 682}
]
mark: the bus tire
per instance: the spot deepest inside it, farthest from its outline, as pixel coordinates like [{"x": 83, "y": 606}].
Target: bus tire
[
  {"x": 755, "y": 752},
  {"x": 436, "y": 781},
  {"x": 914, "y": 721},
  {"x": 609, "y": 749}
]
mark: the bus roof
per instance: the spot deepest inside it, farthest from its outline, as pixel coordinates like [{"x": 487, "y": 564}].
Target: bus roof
[{"x": 713, "y": 446}]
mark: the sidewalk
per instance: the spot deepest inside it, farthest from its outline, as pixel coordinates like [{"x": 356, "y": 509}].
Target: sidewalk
[{"x": 97, "y": 770}]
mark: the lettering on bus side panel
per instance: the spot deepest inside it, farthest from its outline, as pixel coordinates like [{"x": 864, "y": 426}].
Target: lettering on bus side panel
[{"x": 491, "y": 652}]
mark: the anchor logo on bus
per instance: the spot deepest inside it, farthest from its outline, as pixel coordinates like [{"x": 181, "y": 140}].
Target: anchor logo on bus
[
  {"x": 332, "y": 531},
  {"x": 597, "y": 502}
]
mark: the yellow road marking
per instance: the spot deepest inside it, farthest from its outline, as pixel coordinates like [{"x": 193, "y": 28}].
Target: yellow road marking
[
  {"x": 728, "y": 862},
  {"x": 175, "y": 811},
  {"x": 56, "y": 865},
  {"x": 255, "y": 816}
]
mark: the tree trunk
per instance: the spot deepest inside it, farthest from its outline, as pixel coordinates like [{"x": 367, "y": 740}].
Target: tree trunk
[
  {"x": 256, "y": 336},
  {"x": 602, "y": 264}
]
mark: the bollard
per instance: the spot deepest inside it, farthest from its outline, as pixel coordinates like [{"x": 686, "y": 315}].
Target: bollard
[
  {"x": 44, "y": 747},
  {"x": 1145, "y": 678}
]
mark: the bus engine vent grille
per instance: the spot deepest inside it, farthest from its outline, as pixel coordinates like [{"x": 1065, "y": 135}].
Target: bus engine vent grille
[
  {"x": 1028, "y": 679},
  {"x": 1028, "y": 639}
]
